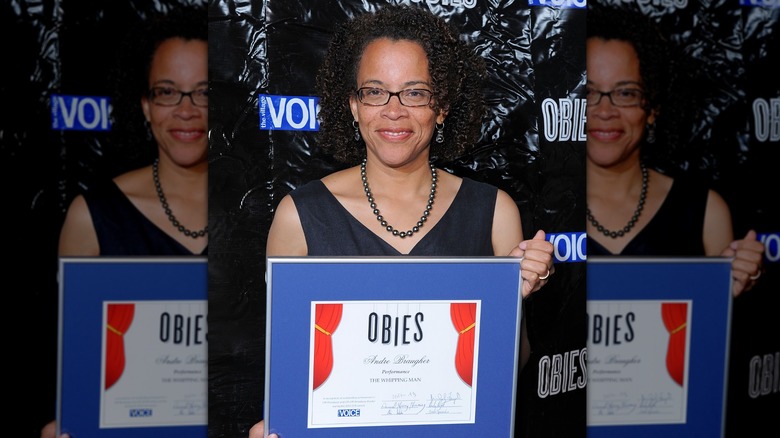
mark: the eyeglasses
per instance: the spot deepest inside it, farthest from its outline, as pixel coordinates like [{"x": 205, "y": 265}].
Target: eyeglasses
[
  {"x": 621, "y": 97},
  {"x": 379, "y": 96},
  {"x": 167, "y": 96}
]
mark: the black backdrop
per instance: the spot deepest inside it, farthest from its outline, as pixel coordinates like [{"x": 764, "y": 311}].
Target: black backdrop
[
  {"x": 532, "y": 146},
  {"x": 65, "y": 47}
]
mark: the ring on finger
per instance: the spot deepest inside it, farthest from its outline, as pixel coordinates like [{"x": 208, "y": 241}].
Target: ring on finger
[{"x": 545, "y": 275}]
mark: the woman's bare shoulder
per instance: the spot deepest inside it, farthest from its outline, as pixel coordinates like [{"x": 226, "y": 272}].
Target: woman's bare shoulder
[
  {"x": 135, "y": 181},
  {"x": 343, "y": 182},
  {"x": 285, "y": 237},
  {"x": 77, "y": 235}
]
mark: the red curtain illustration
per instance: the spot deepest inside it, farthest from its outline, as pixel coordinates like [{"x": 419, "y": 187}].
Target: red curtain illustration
[
  {"x": 464, "y": 317},
  {"x": 675, "y": 316},
  {"x": 326, "y": 319},
  {"x": 118, "y": 321}
]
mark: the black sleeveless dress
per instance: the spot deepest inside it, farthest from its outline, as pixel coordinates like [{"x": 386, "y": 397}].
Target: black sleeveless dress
[
  {"x": 122, "y": 230},
  {"x": 675, "y": 230},
  {"x": 464, "y": 230}
]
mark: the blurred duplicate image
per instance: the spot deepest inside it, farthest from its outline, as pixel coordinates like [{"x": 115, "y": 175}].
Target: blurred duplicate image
[
  {"x": 680, "y": 157},
  {"x": 79, "y": 120}
]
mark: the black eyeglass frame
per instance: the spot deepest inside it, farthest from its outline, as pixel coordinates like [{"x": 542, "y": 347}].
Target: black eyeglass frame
[
  {"x": 190, "y": 94},
  {"x": 611, "y": 100},
  {"x": 390, "y": 94}
]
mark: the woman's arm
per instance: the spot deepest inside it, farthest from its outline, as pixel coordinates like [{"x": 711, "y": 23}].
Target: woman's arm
[
  {"x": 537, "y": 264},
  {"x": 717, "y": 233},
  {"x": 285, "y": 237},
  {"x": 719, "y": 240},
  {"x": 77, "y": 236}
]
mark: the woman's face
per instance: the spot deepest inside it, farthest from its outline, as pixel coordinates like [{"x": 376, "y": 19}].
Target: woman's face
[
  {"x": 394, "y": 133},
  {"x": 614, "y": 133},
  {"x": 180, "y": 129}
]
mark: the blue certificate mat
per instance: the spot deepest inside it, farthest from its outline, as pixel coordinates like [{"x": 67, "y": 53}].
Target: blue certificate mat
[
  {"x": 658, "y": 343},
  {"x": 132, "y": 355},
  {"x": 392, "y": 346}
]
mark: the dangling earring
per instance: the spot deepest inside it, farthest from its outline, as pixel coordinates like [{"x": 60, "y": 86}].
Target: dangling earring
[
  {"x": 149, "y": 135},
  {"x": 650, "y": 133},
  {"x": 440, "y": 133},
  {"x": 357, "y": 131}
]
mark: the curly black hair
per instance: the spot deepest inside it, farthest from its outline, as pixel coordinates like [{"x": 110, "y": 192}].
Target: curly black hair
[
  {"x": 131, "y": 142},
  {"x": 457, "y": 77},
  {"x": 661, "y": 69}
]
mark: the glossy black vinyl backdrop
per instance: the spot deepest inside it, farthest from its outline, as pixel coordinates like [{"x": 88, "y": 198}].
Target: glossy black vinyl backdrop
[{"x": 66, "y": 47}]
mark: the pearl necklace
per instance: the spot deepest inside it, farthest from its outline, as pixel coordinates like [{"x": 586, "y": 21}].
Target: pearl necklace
[
  {"x": 171, "y": 217},
  {"x": 382, "y": 220},
  {"x": 632, "y": 221}
]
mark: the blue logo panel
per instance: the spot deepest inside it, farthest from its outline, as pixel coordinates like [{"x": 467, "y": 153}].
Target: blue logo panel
[
  {"x": 771, "y": 243},
  {"x": 568, "y": 247},
  {"x": 140, "y": 413},
  {"x": 760, "y": 3},
  {"x": 79, "y": 113},
  {"x": 560, "y": 4},
  {"x": 289, "y": 113},
  {"x": 349, "y": 412}
]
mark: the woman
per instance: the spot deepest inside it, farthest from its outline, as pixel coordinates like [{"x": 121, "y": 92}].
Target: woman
[
  {"x": 159, "y": 209},
  {"x": 634, "y": 209},
  {"x": 399, "y": 90}
]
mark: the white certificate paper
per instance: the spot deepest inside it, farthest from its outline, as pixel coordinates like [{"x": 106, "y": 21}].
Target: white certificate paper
[
  {"x": 375, "y": 363},
  {"x": 153, "y": 370},
  {"x": 638, "y": 355}
]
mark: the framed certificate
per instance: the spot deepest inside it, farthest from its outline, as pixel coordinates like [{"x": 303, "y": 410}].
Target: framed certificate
[
  {"x": 416, "y": 346},
  {"x": 658, "y": 341},
  {"x": 132, "y": 354}
]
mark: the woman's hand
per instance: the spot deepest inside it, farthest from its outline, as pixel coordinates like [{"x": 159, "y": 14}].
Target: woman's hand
[
  {"x": 50, "y": 431},
  {"x": 258, "y": 430},
  {"x": 537, "y": 264},
  {"x": 746, "y": 266}
]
